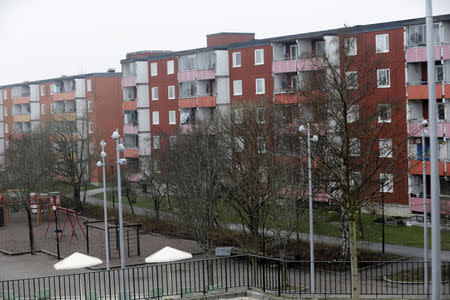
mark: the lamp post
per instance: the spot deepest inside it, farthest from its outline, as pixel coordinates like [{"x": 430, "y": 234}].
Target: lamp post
[
  {"x": 105, "y": 207},
  {"x": 112, "y": 183},
  {"x": 311, "y": 229},
  {"x": 425, "y": 212},
  {"x": 119, "y": 148}
]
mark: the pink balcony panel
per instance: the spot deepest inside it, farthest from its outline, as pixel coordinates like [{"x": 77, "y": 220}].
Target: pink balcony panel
[
  {"x": 206, "y": 74},
  {"x": 186, "y": 128},
  {"x": 129, "y": 105},
  {"x": 129, "y": 81},
  {"x": 416, "y": 205},
  {"x": 209, "y": 101},
  {"x": 186, "y": 76},
  {"x": 446, "y": 51},
  {"x": 130, "y": 129},
  {"x": 290, "y": 98},
  {"x": 309, "y": 64},
  {"x": 132, "y": 153},
  {"x": 187, "y": 103},
  {"x": 415, "y": 129},
  {"x": 64, "y": 96},
  {"x": 284, "y": 66},
  {"x": 419, "y": 54},
  {"x": 21, "y": 100}
]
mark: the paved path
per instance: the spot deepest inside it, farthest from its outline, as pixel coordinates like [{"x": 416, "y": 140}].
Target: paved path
[{"x": 375, "y": 246}]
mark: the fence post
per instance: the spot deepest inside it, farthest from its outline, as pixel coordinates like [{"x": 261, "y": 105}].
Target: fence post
[
  {"x": 204, "y": 284},
  {"x": 138, "y": 240},
  {"x": 263, "y": 269},
  {"x": 248, "y": 274},
  {"x": 279, "y": 278},
  {"x": 181, "y": 281},
  {"x": 87, "y": 237},
  {"x": 226, "y": 275}
]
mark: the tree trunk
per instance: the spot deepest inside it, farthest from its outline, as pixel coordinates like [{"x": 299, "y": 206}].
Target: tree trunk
[
  {"x": 76, "y": 197},
  {"x": 345, "y": 251},
  {"x": 360, "y": 225},
  {"x": 354, "y": 259},
  {"x": 129, "y": 202},
  {"x": 30, "y": 230}
]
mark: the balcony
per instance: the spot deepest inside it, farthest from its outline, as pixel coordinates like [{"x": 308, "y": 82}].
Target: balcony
[
  {"x": 129, "y": 81},
  {"x": 284, "y": 66},
  {"x": 415, "y": 129},
  {"x": 64, "y": 96},
  {"x": 301, "y": 64},
  {"x": 131, "y": 153},
  {"x": 130, "y": 129},
  {"x": 21, "y": 100},
  {"x": 419, "y": 54},
  {"x": 416, "y": 168},
  {"x": 207, "y": 101},
  {"x": 187, "y": 102},
  {"x": 285, "y": 98},
  {"x": 129, "y": 105},
  {"x": 446, "y": 51},
  {"x": 186, "y": 128},
  {"x": 418, "y": 92},
  {"x": 64, "y": 116},
  {"x": 196, "y": 75},
  {"x": 416, "y": 204},
  {"x": 21, "y": 118}
]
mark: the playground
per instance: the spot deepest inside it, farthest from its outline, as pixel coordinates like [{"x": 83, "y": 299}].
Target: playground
[{"x": 78, "y": 234}]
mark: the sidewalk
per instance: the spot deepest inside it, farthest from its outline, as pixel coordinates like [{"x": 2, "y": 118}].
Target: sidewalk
[{"x": 323, "y": 239}]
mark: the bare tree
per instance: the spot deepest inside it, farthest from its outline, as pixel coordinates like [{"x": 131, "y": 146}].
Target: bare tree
[
  {"x": 359, "y": 147},
  {"x": 155, "y": 182},
  {"x": 29, "y": 169}
]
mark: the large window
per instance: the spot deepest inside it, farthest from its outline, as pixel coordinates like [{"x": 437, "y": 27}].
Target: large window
[
  {"x": 260, "y": 115},
  {"x": 89, "y": 85},
  {"x": 154, "y": 93},
  {"x": 172, "y": 117},
  {"x": 171, "y": 91},
  {"x": 42, "y": 90},
  {"x": 354, "y": 147},
  {"x": 260, "y": 86},
  {"x": 382, "y": 43},
  {"x": 386, "y": 183},
  {"x": 43, "y": 109},
  {"x": 155, "y": 117},
  {"x": 237, "y": 87},
  {"x": 236, "y": 59},
  {"x": 154, "y": 69},
  {"x": 320, "y": 48},
  {"x": 384, "y": 113},
  {"x": 238, "y": 116},
  {"x": 351, "y": 78},
  {"x": 383, "y": 78},
  {"x": 170, "y": 67},
  {"x": 259, "y": 56},
  {"x": 385, "y": 146},
  {"x": 156, "y": 144},
  {"x": 351, "y": 46},
  {"x": 239, "y": 143},
  {"x": 353, "y": 113},
  {"x": 262, "y": 145}
]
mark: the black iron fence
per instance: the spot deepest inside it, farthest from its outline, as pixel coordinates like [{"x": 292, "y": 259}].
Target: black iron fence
[{"x": 217, "y": 275}]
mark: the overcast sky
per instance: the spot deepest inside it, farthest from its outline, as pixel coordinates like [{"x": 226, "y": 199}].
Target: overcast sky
[{"x": 47, "y": 38}]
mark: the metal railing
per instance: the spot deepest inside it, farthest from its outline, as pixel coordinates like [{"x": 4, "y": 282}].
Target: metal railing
[{"x": 217, "y": 275}]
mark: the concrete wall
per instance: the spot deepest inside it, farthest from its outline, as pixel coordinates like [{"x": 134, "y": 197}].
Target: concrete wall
[
  {"x": 222, "y": 63},
  {"x": 223, "y": 90},
  {"x": 141, "y": 72}
]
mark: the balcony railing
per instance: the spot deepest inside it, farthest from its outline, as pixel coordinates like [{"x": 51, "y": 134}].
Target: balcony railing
[
  {"x": 416, "y": 168},
  {"x": 419, "y": 90},
  {"x": 64, "y": 96}
]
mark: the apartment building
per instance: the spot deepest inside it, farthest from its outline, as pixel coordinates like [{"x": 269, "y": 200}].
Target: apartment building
[{"x": 91, "y": 101}]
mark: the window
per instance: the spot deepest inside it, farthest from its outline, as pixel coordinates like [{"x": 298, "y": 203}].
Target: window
[
  {"x": 89, "y": 85},
  {"x": 91, "y": 127},
  {"x": 172, "y": 117},
  {"x": 43, "y": 109},
  {"x": 52, "y": 108},
  {"x": 156, "y": 143},
  {"x": 89, "y": 106},
  {"x": 170, "y": 67},
  {"x": 355, "y": 180},
  {"x": 154, "y": 69},
  {"x": 260, "y": 88},
  {"x": 236, "y": 59},
  {"x": 439, "y": 73},
  {"x": 383, "y": 78},
  {"x": 42, "y": 90},
  {"x": 91, "y": 148},
  {"x": 353, "y": 113},
  {"x": 7, "y": 144},
  {"x": 6, "y": 111},
  {"x": 5, "y": 94},
  {"x": 385, "y": 146},
  {"x": 259, "y": 56},
  {"x": 293, "y": 52},
  {"x": 354, "y": 147},
  {"x": 237, "y": 87},
  {"x": 155, "y": 117},
  {"x": 156, "y": 166},
  {"x": 239, "y": 143},
  {"x": 320, "y": 48},
  {"x": 384, "y": 113},
  {"x": 386, "y": 183},
  {"x": 260, "y": 116},
  {"x": 154, "y": 93},
  {"x": 262, "y": 145},
  {"x": 238, "y": 116},
  {"x": 382, "y": 43},
  {"x": 352, "y": 80},
  {"x": 441, "y": 111},
  {"x": 351, "y": 46},
  {"x": 6, "y": 128},
  {"x": 172, "y": 141},
  {"x": 171, "y": 91}
]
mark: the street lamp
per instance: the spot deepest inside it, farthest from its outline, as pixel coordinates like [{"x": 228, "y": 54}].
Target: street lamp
[
  {"x": 120, "y": 148},
  {"x": 112, "y": 183},
  {"x": 105, "y": 209},
  {"x": 425, "y": 213},
  {"x": 302, "y": 128}
]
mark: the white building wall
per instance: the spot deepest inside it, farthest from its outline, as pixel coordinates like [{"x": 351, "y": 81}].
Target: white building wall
[
  {"x": 414, "y": 73},
  {"x": 2, "y": 130},
  {"x": 304, "y": 48},
  {"x": 142, "y": 95},
  {"x": 223, "y": 90},
  {"x": 144, "y": 143},
  {"x": 143, "y": 120},
  {"x": 34, "y": 106},
  {"x": 141, "y": 72},
  {"x": 222, "y": 63},
  {"x": 278, "y": 50},
  {"x": 332, "y": 49},
  {"x": 80, "y": 88}
]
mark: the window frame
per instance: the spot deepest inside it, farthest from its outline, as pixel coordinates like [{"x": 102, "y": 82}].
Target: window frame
[
  {"x": 352, "y": 44},
  {"x": 6, "y": 128},
  {"x": 90, "y": 127},
  {"x": 155, "y": 93},
  {"x": 42, "y": 90},
  {"x": 169, "y": 88},
  {"x": 263, "y": 86},
  {"x": 156, "y": 142},
  {"x": 260, "y": 115},
  {"x": 172, "y": 113},
  {"x": 389, "y": 112},
  {"x": 261, "y": 141},
  {"x": 385, "y": 36},
  {"x": 239, "y": 143},
  {"x": 261, "y": 51},
  {"x": 386, "y": 71},
  {"x": 349, "y": 78},
  {"x": 170, "y": 67},
  {"x": 89, "y": 106},
  {"x": 385, "y": 148},
  {"x": 6, "y": 111},
  {"x": 238, "y": 116},
  {"x": 355, "y": 147},
  {"x": 234, "y": 56},
  {"x": 89, "y": 85},
  {"x": 154, "y": 69},
  {"x": 234, "y": 87},
  {"x": 43, "y": 109},
  {"x": 387, "y": 188},
  {"x": 155, "y": 116}
]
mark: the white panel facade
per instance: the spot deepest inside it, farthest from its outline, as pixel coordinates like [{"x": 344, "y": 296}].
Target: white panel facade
[
  {"x": 1, "y": 97},
  {"x": 34, "y": 111},
  {"x": 447, "y": 70},
  {"x": 413, "y": 73},
  {"x": 144, "y": 143},
  {"x": 144, "y": 120},
  {"x": 332, "y": 49},
  {"x": 222, "y": 64},
  {"x": 35, "y": 125},
  {"x": 304, "y": 48},
  {"x": 34, "y": 92},
  {"x": 141, "y": 72},
  {"x": 2, "y": 130},
  {"x": 278, "y": 50},
  {"x": 223, "y": 90},
  {"x": 80, "y": 88},
  {"x": 80, "y": 107},
  {"x": 142, "y": 96}
]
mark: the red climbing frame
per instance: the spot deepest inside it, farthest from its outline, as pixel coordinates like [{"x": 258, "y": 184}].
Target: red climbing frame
[{"x": 71, "y": 216}]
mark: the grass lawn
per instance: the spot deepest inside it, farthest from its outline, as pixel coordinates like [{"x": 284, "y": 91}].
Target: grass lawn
[
  {"x": 140, "y": 201},
  {"x": 400, "y": 235}
]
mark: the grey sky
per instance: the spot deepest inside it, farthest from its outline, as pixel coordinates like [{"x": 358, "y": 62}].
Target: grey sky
[{"x": 47, "y": 38}]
